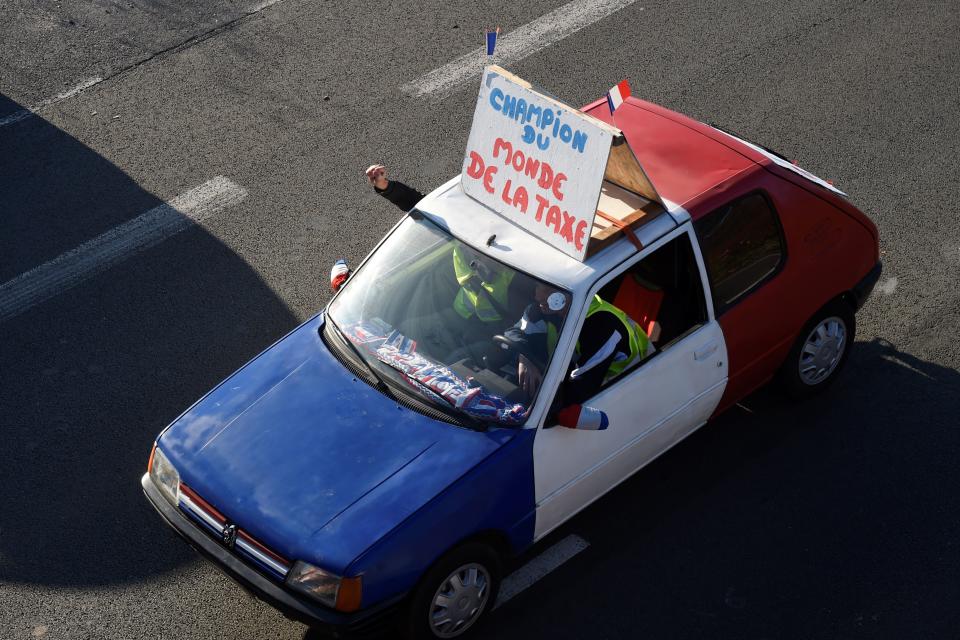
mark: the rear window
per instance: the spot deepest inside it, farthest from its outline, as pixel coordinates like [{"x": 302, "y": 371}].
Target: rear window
[{"x": 742, "y": 246}]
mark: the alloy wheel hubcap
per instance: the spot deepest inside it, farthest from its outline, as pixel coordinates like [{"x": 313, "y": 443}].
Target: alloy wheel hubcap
[
  {"x": 459, "y": 601},
  {"x": 822, "y": 350}
]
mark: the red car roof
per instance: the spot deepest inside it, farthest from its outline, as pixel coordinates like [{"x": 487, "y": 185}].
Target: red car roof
[{"x": 682, "y": 157}]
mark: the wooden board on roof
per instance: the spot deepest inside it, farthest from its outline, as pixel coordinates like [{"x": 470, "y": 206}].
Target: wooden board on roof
[{"x": 629, "y": 208}]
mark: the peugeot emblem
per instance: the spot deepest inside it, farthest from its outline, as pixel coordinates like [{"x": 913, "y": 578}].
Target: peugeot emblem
[{"x": 230, "y": 535}]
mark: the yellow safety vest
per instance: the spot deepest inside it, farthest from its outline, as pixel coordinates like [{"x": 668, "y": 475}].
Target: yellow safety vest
[
  {"x": 468, "y": 303},
  {"x": 636, "y": 338}
]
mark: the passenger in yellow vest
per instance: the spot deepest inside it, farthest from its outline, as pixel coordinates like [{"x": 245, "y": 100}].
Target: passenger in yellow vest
[
  {"x": 609, "y": 343},
  {"x": 484, "y": 293},
  {"x": 484, "y": 289}
]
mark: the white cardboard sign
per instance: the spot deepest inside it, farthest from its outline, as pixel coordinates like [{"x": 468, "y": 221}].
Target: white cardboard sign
[{"x": 536, "y": 161}]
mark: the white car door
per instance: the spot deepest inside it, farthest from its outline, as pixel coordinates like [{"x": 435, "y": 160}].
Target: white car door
[{"x": 650, "y": 408}]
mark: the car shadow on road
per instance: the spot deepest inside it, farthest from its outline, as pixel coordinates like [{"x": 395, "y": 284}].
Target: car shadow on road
[
  {"x": 831, "y": 517},
  {"x": 91, "y": 376}
]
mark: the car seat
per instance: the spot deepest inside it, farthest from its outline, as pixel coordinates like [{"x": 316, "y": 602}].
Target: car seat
[{"x": 640, "y": 299}]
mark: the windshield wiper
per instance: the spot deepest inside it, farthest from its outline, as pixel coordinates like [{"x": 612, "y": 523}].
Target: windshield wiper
[
  {"x": 380, "y": 385},
  {"x": 461, "y": 419}
]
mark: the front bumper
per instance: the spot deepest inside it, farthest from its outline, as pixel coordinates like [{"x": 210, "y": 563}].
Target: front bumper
[{"x": 368, "y": 622}]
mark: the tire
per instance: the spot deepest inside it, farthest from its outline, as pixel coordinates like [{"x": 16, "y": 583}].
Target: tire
[
  {"x": 816, "y": 358},
  {"x": 474, "y": 563}
]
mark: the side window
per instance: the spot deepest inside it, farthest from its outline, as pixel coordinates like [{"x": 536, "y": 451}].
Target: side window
[
  {"x": 742, "y": 246},
  {"x": 661, "y": 294}
]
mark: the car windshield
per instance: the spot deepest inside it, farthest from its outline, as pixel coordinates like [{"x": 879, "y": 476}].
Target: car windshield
[{"x": 448, "y": 323}]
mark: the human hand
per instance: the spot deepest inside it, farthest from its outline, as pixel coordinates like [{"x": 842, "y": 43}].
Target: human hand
[
  {"x": 377, "y": 175},
  {"x": 529, "y": 375}
]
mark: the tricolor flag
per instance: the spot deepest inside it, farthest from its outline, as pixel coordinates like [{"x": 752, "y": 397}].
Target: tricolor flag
[
  {"x": 617, "y": 95},
  {"x": 491, "y": 38},
  {"x": 339, "y": 274},
  {"x": 577, "y": 416}
]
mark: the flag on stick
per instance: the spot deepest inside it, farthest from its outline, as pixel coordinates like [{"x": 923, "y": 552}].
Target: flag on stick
[
  {"x": 617, "y": 95},
  {"x": 491, "y": 39},
  {"x": 577, "y": 416}
]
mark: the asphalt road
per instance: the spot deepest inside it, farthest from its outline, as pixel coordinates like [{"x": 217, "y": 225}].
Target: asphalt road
[{"x": 834, "y": 519}]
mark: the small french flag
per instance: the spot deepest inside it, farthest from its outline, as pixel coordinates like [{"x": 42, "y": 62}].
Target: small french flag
[
  {"x": 577, "y": 416},
  {"x": 339, "y": 274},
  {"x": 491, "y": 38},
  {"x": 617, "y": 95}
]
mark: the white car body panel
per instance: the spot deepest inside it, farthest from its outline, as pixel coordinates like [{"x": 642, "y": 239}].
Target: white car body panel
[{"x": 651, "y": 408}]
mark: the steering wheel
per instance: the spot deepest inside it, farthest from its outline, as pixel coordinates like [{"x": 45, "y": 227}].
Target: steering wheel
[{"x": 507, "y": 344}]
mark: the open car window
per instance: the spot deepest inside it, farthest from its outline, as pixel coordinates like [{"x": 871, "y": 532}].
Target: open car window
[
  {"x": 425, "y": 310},
  {"x": 662, "y": 295}
]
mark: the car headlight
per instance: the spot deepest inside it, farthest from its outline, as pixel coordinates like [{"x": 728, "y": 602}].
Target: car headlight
[
  {"x": 339, "y": 593},
  {"x": 164, "y": 475}
]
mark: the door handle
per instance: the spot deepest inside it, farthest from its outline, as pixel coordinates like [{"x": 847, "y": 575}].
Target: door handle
[{"x": 705, "y": 352}]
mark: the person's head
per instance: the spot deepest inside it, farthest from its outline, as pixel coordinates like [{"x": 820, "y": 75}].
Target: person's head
[
  {"x": 479, "y": 264},
  {"x": 551, "y": 301}
]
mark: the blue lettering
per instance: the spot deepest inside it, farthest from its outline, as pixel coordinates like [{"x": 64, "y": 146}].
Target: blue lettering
[
  {"x": 528, "y": 134},
  {"x": 546, "y": 119},
  {"x": 509, "y": 108},
  {"x": 566, "y": 133},
  {"x": 521, "y": 110},
  {"x": 579, "y": 141},
  {"x": 543, "y": 142},
  {"x": 496, "y": 93}
]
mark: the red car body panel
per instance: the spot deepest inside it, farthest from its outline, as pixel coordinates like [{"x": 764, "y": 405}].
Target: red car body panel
[{"x": 830, "y": 244}]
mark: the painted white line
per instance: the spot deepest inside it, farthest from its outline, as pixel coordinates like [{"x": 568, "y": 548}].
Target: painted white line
[
  {"x": 69, "y": 93},
  {"x": 116, "y": 245},
  {"x": 516, "y": 45},
  {"x": 263, "y": 5},
  {"x": 888, "y": 286},
  {"x": 530, "y": 573}
]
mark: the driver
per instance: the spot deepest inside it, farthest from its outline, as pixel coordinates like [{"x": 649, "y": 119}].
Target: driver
[{"x": 609, "y": 343}]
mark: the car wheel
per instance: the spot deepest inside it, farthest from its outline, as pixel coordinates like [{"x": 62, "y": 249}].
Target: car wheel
[
  {"x": 455, "y": 593},
  {"x": 820, "y": 351}
]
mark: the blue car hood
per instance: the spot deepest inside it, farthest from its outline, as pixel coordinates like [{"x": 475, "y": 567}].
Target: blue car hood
[{"x": 292, "y": 441}]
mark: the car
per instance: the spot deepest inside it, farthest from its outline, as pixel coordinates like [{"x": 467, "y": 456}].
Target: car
[{"x": 381, "y": 464}]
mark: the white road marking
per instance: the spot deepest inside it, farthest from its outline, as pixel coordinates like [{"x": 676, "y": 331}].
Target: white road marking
[
  {"x": 116, "y": 245},
  {"x": 888, "y": 286},
  {"x": 263, "y": 5},
  {"x": 530, "y": 573},
  {"x": 516, "y": 45},
  {"x": 17, "y": 116}
]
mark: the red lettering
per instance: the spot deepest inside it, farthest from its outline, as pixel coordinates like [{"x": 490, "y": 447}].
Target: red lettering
[
  {"x": 520, "y": 199},
  {"x": 475, "y": 170},
  {"x": 553, "y": 218},
  {"x": 518, "y": 161},
  {"x": 580, "y": 234},
  {"x": 499, "y": 144},
  {"x": 557, "y": 182},
  {"x": 567, "y": 231},
  {"x": 543, "y": 203},
  {"x": 505, "y": 194},
  {"x": 531, "y": 169},
  {"x": 488, "y": 178},
  {"x": 546, "y": 176}
]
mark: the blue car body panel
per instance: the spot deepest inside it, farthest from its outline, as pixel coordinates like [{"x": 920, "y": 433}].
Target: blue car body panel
[
  {"x": 321, "y": 467},
  {"x": 496, "y": 497}
]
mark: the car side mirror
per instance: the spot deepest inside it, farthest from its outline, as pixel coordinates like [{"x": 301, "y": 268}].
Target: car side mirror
[
  {"x": 582, "y": 417},
  {"x": 339, "y": 274}
]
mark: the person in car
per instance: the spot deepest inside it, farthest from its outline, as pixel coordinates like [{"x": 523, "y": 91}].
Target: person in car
[
  {"x": 609, "y": 343},
  {"x": 485, "y": 297}
]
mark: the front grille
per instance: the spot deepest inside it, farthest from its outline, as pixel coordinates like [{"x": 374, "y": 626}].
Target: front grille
[{"x": 242, "y": 543}]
